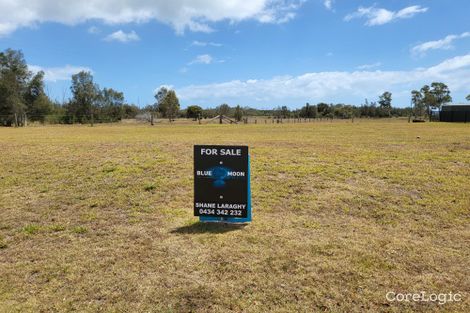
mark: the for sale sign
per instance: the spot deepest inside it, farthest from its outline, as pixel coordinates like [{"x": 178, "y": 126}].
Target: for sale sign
[{"x": 221, "y": 182}]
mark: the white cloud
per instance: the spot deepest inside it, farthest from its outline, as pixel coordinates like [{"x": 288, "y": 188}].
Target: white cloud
[
  {"x": 330, "y": 86},
  {"x": 122, "y": 36},
  {"x": 369, "y": 66},
  {"x": 180, "y": 14},
  {"x": 202, "y": 59},
  {"x": 279, "y": 11},
  {"x": 444, "y": 44},
  {"x": 205, "y": 44},
  {"x": 378, "y": 16},
  {"x": 328, "y": 4},
  {"x": 54, "y": 74}
]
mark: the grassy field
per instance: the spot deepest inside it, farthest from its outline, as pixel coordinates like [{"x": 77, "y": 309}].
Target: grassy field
[{"x": 100, "y": 219}]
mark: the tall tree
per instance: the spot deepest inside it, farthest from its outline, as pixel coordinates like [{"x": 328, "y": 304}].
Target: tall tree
[
  {"x": 160, "y": 105},
  {"x": 441, "y": 94},
  {"x": 85, "y": 96},
  {"x": 418, "y": 104},
  {"x": 323, "y": 109},
  {"x": 285, "y": 111},
  {"x": 308, "y": 111},
  {"x": 385, "y": 102},
  {"x": 428, "y": 98},
  {"x": 111, "y": 104},
  {"x": 38, "y": 104},
  {"x": 170, "y": 105},
  {"x": 14, "y": 76},
  {"x": 223, "y": 109},
  {"x": 238, "y": 114}
]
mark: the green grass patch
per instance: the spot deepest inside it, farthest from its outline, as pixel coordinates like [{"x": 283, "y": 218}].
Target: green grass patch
[
  {"x": 3, "y": 244},
  {"x": 57, "y": 228},
  {"x": 79, "y": 230},
  {"x": 150, "y": 187},
  {"x": 31, "y": 229}
]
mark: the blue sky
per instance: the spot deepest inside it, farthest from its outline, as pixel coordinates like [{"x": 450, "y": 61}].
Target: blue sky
[{"x": 259, "y": 53}]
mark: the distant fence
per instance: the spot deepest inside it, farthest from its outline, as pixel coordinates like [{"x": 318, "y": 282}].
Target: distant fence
[{"x": 454, "y": 116}]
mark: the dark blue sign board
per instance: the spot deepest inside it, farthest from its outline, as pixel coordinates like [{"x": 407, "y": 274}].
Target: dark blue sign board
[{"x": 222, "y": 184}]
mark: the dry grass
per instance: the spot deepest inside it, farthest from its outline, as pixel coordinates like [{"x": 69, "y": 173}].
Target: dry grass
[{"x": 100, "y": 219}]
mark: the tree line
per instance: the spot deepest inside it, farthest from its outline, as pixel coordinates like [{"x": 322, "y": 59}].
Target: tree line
[{"x": 23, "y": 98}]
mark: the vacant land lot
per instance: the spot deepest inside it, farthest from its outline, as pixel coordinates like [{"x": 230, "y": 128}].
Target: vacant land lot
[{"x": 100, "y": 219}]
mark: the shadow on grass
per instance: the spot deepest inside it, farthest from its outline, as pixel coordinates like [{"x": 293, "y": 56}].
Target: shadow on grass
[{"x": 201, "y": 228}]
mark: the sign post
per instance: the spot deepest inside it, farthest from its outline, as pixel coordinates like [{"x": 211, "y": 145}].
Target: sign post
[{"x": 222, "y": 184}]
